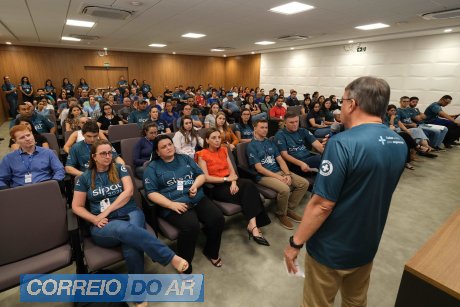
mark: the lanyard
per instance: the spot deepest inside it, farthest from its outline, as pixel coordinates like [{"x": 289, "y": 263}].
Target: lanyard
[{"x": 29, "y": 159}]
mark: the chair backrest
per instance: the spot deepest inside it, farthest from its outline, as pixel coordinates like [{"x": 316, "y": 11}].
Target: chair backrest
[
  {"x": 121, "y": 132},
  {"x": 117, "y": 107},
  {"x": 232, "y": 159},
  {"x": 33, "y": 221},
  {"x": 303, "y": 121},
  {"x": 295, "y": 109},
  {"x": 241, "y": 157},
  {"x": 127, "y": 146},
  {"x": 52, "y": 142},
  {"x": 136, "y": 194},
  {"x": 202, "y": 133},
  {"x": 67, "y": 135}
]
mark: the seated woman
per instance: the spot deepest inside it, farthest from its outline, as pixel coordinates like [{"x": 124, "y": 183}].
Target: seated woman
[
  {"x": 173, "y": 182},
  {"x": 108, "y": 118},
  {"x": 218, "y": 169},
  {"x": 42, "y": 107},
  {"x": 74, "y": 120},
  {"x": 229, "y": 139},
  {"x": 315, "y": 122},
  {"x": 327, "y": 113},
  {"x": 210, "y": 119},
  {"x": 142, "y": 151},
  {"x": 244, "y": 129},
  {"x": 161, "y": 124},
  {"x": 40, "y": 140},
  {"x": 186, "y": 139},
  {"x": 254, "y": 108},
  {"x": 114, "y": 216}
]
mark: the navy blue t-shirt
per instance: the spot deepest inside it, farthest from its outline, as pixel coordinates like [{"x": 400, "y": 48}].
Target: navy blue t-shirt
[
  {"x": 104, "y": 189},
  {"x": 163, "y": 177},
  {"x": 294, "y": 142},
  {"x": 79, "y": 156},
  {"x": 247, "y": 131},
  {"x": 359, "y": 172},
  {"x": 432, "y": 111},
  {"x": 264, "y": 152}
]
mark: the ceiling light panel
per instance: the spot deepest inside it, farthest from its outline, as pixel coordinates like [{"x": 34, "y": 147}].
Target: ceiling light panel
[
  {"x": 79, "y": 23},
  {"x": 157, "y": 45},
  {"x": 372, "y": 26},
  {"x": 193, "y": 35},
  {"x": 68, "y": 38},
  {"x": 291, "y": 8},
  {"x": 264, "y": 43}
]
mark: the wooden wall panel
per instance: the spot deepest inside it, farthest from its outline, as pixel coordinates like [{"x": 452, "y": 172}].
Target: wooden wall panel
[{"x": 40, "y": 63}]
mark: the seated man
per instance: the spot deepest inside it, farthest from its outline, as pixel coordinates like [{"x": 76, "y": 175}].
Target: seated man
[
  {"x": 272, "y": 172},
  {"x": 294, "y": 143},
  {"x": 292, "y": 100},
  {"x": 127, "y": 109},
  {"x": 139, "y": 116},
  {"x": 278, "y": 111},
  {"x": 30, "y": 163},
  {"x": 231, "y": 108},
  {"x": 78, "y": 158},
  {"x": 435, "y": 115},
  {"x": 436, "y": 133},
  {"x": 188, "y": 111},
  {"x": 40, "y": 122}
]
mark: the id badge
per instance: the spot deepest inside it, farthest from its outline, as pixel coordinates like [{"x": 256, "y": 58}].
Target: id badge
[
  {"x": 105, "y": 203},
  {"x": 28, "y": 178},
  {"x": 180, "y": 185}
]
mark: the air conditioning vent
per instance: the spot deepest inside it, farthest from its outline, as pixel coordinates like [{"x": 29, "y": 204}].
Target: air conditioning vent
[
  {"x": 225, "y": 48},
  {"x": 106, "y": 12},
  {"x": 85, "y": 37},
  {"x": 442, "y": 14},
  {"x": 290, "y": 38}
]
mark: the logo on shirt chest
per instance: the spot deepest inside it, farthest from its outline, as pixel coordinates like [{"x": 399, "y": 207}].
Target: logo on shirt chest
[
  {"x": 111, "y": 190},
  {"x": 187, "y": 180}
]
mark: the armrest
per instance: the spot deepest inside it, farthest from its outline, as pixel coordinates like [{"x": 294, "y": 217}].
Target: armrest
[{"x": 72, "y": 222}]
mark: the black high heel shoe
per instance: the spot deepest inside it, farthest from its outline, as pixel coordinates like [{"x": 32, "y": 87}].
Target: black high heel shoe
[{"x": 258, "y": 239}]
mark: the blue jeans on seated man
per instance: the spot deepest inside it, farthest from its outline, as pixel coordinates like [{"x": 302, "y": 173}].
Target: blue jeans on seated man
[
  {"x": 322, "y": 132},
  {"x": 312, "y": 161},
  {"x": 435, "y": 133},
  {"x": 134, "y": 240}
]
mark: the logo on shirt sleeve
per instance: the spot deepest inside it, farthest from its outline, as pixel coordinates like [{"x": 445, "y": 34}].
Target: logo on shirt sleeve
[
  {"x": 326, "y": 168},
  {"x": 123, "y": 168}
]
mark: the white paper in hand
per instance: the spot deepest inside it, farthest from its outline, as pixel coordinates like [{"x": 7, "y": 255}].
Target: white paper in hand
[
  {"x": 314, "y": 170},
  {"x": 300, "y": 272}
]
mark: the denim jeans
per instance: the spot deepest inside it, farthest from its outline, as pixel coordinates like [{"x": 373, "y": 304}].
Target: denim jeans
[
  {"x": 134, "y": 240},
  {"x": 322, "y": 132},
  {"x": 435, "y": 133}
]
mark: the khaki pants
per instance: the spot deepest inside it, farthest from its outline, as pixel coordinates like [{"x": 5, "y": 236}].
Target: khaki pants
[
  {"x": 322, "y": 284},
  {"x": 288, "y": 196}
]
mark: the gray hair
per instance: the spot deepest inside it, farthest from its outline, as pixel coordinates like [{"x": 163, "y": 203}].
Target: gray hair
[{"x": 371, "y": 94}]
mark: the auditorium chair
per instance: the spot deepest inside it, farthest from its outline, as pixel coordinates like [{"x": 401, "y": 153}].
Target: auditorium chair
[
  {"x": 35, "y": 232},
  {"x": 127, "y": 146},
  {"x": 121, "y": 132},
  {"x": 95, "y": 257}
]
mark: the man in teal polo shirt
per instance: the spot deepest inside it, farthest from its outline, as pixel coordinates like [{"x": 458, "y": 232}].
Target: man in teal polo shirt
[
  {"x": 141, "y": 115},
  {"x": 344, "y": 220}
]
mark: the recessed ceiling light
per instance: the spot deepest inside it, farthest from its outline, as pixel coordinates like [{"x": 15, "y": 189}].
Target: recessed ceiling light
[
  {"x": 136, "y": 3},
  {"x": 105, "y": 48},
  {"x": 291, "y": 8},
  {"x": 8, "y": 43},
  {"x": 292, "y": 48},
  {"x": 79, "y": 23},
  {"x": 350, "y": 41},
  {"x": 447, "y": 30},
  {"x": 264, "y": 43},
  {"x": 217, "y": 50},
  {"x": 193, "y": 35},
  {"x": 373, "y": 26},
  {"x": 174, "y": 52},
  {"x": 68, "y": 38},
  {"x": 225, "y": 55},
  {"x": 252, "y": 52},
  {"x": 157, "y": 45}
]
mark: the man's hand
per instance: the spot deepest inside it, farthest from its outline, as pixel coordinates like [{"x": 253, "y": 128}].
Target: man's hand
[
  {"x": 290, "y": 255},
  {"x": 178, "y": 207},
  {"x": 304, "y": 167}
]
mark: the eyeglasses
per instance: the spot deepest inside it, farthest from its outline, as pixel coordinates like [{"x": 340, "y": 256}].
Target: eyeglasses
[
  {"x": 345, "y": 99},
  {"x": 104, "y": 153}
]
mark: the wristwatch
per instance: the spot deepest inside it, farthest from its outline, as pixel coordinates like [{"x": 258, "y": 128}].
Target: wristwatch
[
  {"x": 225, "y": 179},
  {"x": 291, "y": 242}
]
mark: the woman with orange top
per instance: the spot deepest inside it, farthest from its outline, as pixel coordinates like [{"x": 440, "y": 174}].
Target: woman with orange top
[
  {"x": 227, "y": 187},
  {"x": 228, "y": 137}
]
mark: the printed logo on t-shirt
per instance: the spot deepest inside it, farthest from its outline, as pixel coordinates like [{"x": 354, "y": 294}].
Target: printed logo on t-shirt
[
  {"x": 326, "y": 168},
  {"x": 187, "y": 180},
  {"x": 123, "y": 168},
  {"x": 268, "y": 160},
  {"x": 108, "y": 191}
]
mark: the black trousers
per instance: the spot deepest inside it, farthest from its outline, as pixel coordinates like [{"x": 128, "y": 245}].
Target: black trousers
[
  {"x": 189, "y": 227},
  {"x": 410, "y": 142},
  {"x": 248, "y": 197}
]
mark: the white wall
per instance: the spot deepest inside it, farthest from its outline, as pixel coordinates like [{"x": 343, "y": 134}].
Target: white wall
[{"x": 427, "y": 67}]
